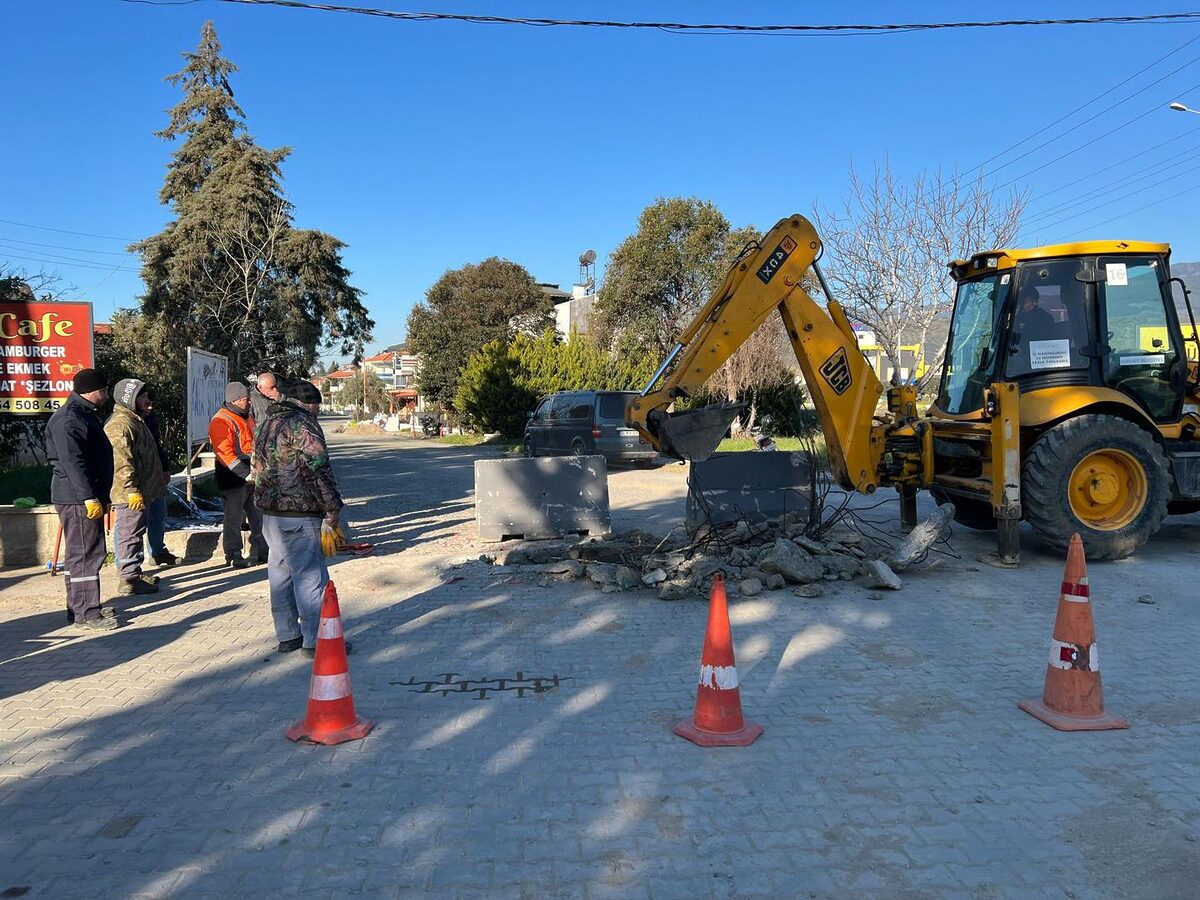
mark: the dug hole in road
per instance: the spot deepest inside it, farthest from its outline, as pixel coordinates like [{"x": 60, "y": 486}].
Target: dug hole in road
[{"x": 523, "y": 744}]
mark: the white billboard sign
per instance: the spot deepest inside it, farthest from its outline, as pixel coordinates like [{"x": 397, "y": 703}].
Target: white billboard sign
[{"x": 207, "y": 375}]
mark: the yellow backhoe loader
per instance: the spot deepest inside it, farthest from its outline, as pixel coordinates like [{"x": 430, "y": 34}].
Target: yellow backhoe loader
[{"x": 1067, "y": 398}]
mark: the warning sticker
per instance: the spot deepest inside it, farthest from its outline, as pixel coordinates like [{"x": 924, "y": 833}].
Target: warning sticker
[
  {"x": 1150, "y": 359},
  {"x": 1050, "y": 354},
  {"x": 1115, "y": 274}
]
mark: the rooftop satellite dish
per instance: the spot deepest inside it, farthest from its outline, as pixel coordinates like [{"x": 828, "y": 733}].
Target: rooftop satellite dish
[{"x": 587, "y": 257}]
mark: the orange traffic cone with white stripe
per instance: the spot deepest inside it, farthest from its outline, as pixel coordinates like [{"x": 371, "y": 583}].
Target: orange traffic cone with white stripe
[
  {"x": 1073, "y": 699},
  {"x": 718, "y": 720},
  {"x": 331, "y": 718}
]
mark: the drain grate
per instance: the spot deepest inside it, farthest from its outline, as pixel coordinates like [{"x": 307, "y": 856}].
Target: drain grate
[{"x": 452, "y": 683}]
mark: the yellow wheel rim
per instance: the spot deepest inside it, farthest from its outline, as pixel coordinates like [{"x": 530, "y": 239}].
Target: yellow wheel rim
[{"x": 1108, "y": 489}]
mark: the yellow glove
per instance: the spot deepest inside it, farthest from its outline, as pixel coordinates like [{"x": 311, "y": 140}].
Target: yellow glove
[
  {"x": 331, "y": 539},
  {"x": 94, "y": 509},
  {"x": 136, "y": 502}
]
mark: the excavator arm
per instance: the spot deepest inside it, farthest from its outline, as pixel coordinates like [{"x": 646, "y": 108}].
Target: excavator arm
[{"x": 767, "y": 278}]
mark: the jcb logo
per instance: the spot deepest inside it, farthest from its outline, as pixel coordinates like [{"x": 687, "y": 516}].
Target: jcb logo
[
  {"x": 777, "y": 258},
  {"x": 836, "y": 371}
]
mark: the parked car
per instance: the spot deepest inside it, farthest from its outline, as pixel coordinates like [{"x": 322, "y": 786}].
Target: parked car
[{"x": 586, "y": 423}]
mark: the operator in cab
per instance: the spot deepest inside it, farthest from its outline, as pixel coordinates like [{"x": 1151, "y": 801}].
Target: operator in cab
[{"x": 1032, "y": 322}]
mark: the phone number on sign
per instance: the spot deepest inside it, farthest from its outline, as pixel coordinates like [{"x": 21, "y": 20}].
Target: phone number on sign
[{"x": 31, "y": 405}]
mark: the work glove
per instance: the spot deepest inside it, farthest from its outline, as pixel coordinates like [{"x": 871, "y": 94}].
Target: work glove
[
  {"x": 331, "y": 539},
  {"x": 94, "y": 509},
  {"x": 136, "y": 502}
]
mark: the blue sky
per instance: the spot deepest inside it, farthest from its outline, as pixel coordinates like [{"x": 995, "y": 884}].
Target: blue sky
[{"x": 425, "y": 146}]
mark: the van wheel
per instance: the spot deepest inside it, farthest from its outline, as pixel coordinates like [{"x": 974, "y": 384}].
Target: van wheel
[
  {"x": 527, "y": 450},
  {"x": 1101, "y": 476},
  {"x": 578, "y": 449}
]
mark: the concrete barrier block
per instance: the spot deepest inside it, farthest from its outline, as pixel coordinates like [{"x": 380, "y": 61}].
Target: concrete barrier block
[
  {"x": 753, "y": 485},
  {"x": 541, "y": 498}
]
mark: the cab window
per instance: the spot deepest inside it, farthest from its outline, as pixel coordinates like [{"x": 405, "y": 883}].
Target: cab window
[
  {"x": 1143, "y": 349},
  {"x": 1049, "y": 330}
]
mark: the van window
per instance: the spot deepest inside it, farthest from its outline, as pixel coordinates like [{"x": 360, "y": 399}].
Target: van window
[
  {"x": 612, "y": 406},
  {"x": 561, "y": 404},
  {"x": 581, "y": 407},
  {"x": 542, "y": 412}
]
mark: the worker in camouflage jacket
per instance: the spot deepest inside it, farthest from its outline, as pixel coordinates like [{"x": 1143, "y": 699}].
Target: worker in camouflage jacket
[
  {"x": 295, "y": 488},
  {"x": 138, "y": 480}
]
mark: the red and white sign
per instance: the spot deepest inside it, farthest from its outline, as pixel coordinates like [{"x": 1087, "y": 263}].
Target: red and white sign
[{"x": 42, "y": 346}]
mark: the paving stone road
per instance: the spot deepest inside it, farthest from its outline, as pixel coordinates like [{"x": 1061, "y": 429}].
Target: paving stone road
[{"x": 150, "y": 762}]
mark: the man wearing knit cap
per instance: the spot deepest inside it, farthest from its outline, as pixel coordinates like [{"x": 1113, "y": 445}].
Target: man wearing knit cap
[
  {"x": 81, "y": 463},
  {"x": 295, "y": 488},
  {"x": 138, "y": 480},
  {"x": 232, "y": 440}
]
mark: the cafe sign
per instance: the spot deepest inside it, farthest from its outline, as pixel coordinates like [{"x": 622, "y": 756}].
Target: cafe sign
[{"x": 42, "y": 346}]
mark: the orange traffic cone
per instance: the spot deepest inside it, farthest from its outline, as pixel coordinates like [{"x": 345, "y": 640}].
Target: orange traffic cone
[
  {"x": 330, "y": 718},
  {"x": 718, "y": 720},
  {"x": 1073, "y": 699}
]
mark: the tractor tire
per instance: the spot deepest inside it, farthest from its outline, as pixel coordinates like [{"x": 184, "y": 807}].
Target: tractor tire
[
  {"x": 1100, "y": 476},
  {"x": 974, "y": 514}
]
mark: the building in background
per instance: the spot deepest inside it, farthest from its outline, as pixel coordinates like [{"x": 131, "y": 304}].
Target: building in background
[{"x": 406, "y": 398}]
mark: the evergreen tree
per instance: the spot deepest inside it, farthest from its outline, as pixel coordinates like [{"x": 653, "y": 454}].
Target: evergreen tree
[
  {"x": 229, "y": 273},
  {"x": 465, "y": 309}
]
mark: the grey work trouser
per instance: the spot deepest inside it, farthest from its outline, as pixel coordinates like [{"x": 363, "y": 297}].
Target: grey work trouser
[
  {"x": 297, "y": 574},
  {"x": 129, "y": 533},
  {"x": 239, "y": 508},
  {"x": 83, "y": 540}
]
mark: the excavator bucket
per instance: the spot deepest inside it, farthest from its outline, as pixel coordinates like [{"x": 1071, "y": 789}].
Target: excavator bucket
[{"x": 695, "y": 434}]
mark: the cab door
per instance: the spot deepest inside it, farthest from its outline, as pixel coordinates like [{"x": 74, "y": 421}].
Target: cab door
[{"x": 1144, "y": 356}]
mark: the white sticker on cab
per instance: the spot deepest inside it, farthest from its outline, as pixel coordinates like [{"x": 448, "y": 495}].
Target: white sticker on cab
[
  {"x": 1115, "y": 274},
  {"x": 1050, "y": 354}
]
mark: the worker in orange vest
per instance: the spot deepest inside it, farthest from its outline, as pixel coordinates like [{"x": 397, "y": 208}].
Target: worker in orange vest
[{"x": 233, "y": 441}]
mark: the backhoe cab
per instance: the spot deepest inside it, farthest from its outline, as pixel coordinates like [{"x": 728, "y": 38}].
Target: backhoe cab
[{"x": 1068, "y": 396}]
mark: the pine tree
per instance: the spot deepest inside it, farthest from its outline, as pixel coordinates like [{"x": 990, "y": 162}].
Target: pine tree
[{"x": 229, "y": 272}]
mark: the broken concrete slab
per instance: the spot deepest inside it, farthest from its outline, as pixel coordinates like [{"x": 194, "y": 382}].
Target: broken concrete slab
[
  {"x": 752, "y": 485},
  {"x": 541, "y": 498},
  {"x": 918, "y": 541},
  {"x": 786, "y": 559},
  {"x": 879, "y": 575}
]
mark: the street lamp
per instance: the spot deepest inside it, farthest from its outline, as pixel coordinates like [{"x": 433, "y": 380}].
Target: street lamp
[{"x": 1179, "y": 107}]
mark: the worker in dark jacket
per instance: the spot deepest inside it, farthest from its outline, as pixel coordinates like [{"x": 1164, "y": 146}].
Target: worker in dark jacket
[
  {"x": 81, "y": 462},
  {"x": 262, "y": 395},
  {"x": 232, "y": 442},
  {"x": 138, "y": 480},
  {"x": 295, "y": 488}
]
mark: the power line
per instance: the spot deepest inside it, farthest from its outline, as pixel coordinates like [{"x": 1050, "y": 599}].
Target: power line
[
  {"x": 1084, "y": 145},
  {"x": 57, "y": 263},
  {"x": 1139, "y": 155},
  {"x": 797, "y": 29},
  {"x": 107, "y": 237},
  {"x": 57, "y": 257},
  {"x": 13, "y": 240},
  {"x": 1099, "y": 96},
  {"x": 1066, "y": 219},
  {"x": 1130, "y": 212},
  {"x": 1101, "y": 112},
  {"x": 1154, "y": 171}
]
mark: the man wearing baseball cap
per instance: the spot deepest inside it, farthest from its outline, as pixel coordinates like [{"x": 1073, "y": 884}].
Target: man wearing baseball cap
[{"x": 81, "y": 463}]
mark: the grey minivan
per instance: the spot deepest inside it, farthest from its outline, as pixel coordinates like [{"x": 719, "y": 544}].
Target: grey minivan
[{"x": 585, "y": 423}]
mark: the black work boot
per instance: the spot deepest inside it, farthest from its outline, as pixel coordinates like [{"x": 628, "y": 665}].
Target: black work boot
[
  {"x": 100, "y": 624},
  {"x": 166, "y": 558},
  {"x": 237, "y": 562},
  {"x": 139, "y": 584}
]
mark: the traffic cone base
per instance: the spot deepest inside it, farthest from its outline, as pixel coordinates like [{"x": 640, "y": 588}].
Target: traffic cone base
[
  {"x": 748, "y": 734},
  {"x": 331, "y": 717},
  {"x": 302, "y": 732},
  {"x": 1104, "y": 722},
  {"x": 1073, "y": 698}
]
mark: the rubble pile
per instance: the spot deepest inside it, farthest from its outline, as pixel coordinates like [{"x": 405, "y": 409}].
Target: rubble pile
[{"x": 754, "y": 558}]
